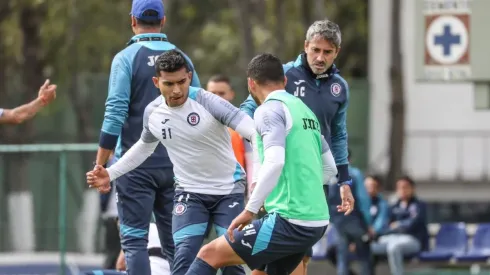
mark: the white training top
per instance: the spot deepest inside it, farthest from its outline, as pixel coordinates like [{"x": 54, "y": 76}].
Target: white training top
[
  {"x": 197, "y": 140},
  {"x": 1, "y": 111}
]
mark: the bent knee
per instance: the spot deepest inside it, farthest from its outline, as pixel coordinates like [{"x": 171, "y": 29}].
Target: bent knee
[{"x": 207, "y": 251}]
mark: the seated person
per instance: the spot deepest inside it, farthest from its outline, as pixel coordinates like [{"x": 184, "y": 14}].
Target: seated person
[
  {"x": 158, "y": 263},
  {"x": 407, "y": 233}
]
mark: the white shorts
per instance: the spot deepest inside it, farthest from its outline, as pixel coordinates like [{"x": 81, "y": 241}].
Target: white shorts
[{"x": 159, "y": 266}]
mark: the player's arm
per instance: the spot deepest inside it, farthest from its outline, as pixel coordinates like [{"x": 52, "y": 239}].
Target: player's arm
[
  {"x": 271, "y": 126},
  {"x": 227, "y": 114},
  {"x": 47, "y": 93},
  {"x": 139, "y": 152},
  {"x": 116, "y": 107},
  {"x": 339, "y": 138},
  {"x": 329, "y": 167}
]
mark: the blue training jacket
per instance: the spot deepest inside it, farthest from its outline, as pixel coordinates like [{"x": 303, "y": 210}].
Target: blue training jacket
[
  {"x": 131, "y": 89},
  {"x": 327, "y": 95}
]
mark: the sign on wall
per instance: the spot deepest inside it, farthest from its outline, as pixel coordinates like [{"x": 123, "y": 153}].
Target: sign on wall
[{"x": 450, "y": 39}]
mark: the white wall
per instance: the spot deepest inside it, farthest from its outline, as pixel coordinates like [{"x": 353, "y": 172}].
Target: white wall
[{"x": 429, "y": 107}]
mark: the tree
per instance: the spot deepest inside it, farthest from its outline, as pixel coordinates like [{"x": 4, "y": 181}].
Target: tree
[{"x": 397, "y": 130}]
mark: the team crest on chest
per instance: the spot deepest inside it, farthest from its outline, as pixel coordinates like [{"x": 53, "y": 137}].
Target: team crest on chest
[
  {"x": 193, "y": 119},
  {"x": 336, "y": 89}
]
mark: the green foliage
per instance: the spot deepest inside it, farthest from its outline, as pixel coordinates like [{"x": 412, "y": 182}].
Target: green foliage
[{"x": 82, "y": 36}]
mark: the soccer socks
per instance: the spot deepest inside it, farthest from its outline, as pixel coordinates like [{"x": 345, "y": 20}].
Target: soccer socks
[{"x": 200, "y": 267}]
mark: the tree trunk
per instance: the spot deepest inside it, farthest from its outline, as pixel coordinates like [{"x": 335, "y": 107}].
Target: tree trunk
[
  {"x": 306, "y": 18},
  {"x": 320, "y": 12},
  {"x": 280, "y": 15},
  {"x": 241, "y": 8},
  {"x": 397, "y": 131}
]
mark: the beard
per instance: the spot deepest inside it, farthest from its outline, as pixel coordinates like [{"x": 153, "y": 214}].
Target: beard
[{"x": 254, "y": 97}]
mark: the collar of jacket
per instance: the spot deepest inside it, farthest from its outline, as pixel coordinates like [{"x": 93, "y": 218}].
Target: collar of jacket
[{"x": 330, "y": 71}]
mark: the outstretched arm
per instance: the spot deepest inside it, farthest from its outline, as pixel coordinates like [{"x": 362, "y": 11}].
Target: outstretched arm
[
  {"x": 227, "y": 114},
  {"x": 47, "y": 93}
]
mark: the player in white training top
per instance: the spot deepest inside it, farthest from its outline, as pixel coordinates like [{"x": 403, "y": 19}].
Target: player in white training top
[{"x": 192, "y": 124}]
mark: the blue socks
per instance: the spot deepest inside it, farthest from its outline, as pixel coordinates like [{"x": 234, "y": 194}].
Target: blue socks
[{"x": 200, "y": 267}]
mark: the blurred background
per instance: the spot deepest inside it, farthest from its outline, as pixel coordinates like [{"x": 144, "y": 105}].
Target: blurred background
[{"x": 413, "y": 110}]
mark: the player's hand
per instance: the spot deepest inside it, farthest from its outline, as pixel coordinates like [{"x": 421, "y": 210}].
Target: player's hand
[
  {"x": 99, "y": 178},
  {"x": 239, "y": 223},
  {"x": 47, "y": 92},
  {"x": 347, "y": 205}
]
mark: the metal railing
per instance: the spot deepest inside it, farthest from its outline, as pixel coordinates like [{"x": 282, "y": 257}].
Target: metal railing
[{"x": 62, "y": 149}]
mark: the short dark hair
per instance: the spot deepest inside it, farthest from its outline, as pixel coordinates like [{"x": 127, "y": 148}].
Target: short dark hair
[
  {"x": 220, "y": 78},
  {"x": 377, "y": 179},
  {"x": 407, "y": 179},
  {"x": 171, "y": 61},
  {"x": 265, "y": 68},
  {"x": 149, "y": 23}
]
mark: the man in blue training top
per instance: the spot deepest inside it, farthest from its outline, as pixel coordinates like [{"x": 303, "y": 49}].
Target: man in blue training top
[
  {"x": 149, "y": 187},
  {"x": 314, "y": 78}
]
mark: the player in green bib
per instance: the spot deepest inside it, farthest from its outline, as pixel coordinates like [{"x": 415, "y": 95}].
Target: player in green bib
[{"x": 292, "y": 163}]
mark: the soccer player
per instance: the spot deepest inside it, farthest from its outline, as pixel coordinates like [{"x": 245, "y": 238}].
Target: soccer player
[
  {"x": 192, "y": 124},
  {"x": 315, "y": 79},
  {"x": 295, "y": 162},
  {"x": 150, "y": 187},
  {"x": 47, "y": 93}
]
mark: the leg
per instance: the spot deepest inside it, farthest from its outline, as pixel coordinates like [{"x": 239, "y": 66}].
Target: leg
[
  {"x": 164, "y": 204},
  {"x": 363, "y": 251},
  {"x": 135, "y": 195},
  {"x": 302, "y": 267},
  {"x": 398, "y": 248},
  {"x": 112, "y": 243},
  {"x": 260, "y": 243},
  {"x": 189, "y": 223},
  {"x": 342, "y": 254},
  {"x": 223, "y": 213}
]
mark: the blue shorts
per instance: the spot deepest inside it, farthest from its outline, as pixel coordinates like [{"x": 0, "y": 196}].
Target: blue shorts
[
  {"x": 191, "y": 216},
  {"x": 274, "y": 245}
]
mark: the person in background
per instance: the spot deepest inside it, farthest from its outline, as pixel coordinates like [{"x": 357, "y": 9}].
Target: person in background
[
  {"x": 150, "y": 187},
  {"x": 407, "y": 233},
  {"x": 379, "y": 209},
  {"x": 47, "y": 93},
  {"x": 354, "y": 231},
  {"x": 108, "y": 207}
]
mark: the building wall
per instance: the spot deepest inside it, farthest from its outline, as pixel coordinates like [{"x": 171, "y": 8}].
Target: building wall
[{"x": 444, "y": 110}]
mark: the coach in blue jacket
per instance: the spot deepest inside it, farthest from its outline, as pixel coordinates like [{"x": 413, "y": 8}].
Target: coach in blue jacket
[
  {"x": 149, "y": 188},
  {"x": 313, "y": 78}
]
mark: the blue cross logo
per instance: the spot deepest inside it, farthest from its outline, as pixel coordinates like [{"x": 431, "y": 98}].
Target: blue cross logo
[{"x": 446, "y": 40}]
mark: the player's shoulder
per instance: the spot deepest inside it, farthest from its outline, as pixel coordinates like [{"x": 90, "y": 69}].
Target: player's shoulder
[
  {"x": 128, "y": 53},
  {"x": 270, "y": 109},
  {"x": 150, "y": 108}
]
